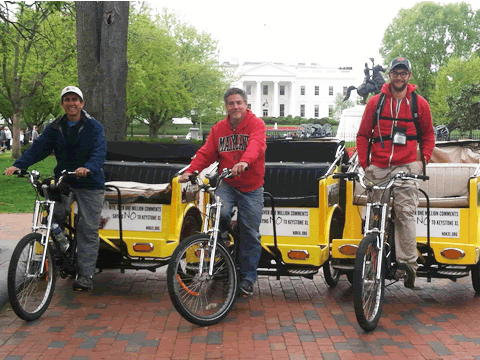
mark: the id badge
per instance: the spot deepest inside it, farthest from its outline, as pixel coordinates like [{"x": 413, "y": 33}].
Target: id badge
[{"x": 399, "y": 135}]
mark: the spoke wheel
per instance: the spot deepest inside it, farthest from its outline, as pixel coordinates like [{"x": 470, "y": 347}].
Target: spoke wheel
[
  {"x": 368, "y": 291},
  {"x": 200, "y": 298},
  {"x": 30, "y": 290}
]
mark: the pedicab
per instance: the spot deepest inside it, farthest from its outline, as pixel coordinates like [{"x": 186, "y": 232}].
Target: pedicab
[
  {"x": 448, "y": 235},
  {"x": 301, "y": 216}
]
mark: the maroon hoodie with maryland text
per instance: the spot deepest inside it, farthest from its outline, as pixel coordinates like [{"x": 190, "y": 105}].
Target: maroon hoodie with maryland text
[
  {"x": 244, "y": 144},
  {"x": 391, "y": 154}
]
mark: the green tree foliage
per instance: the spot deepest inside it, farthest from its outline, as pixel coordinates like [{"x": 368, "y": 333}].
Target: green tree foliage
[
  {"x": 34, "y": 42},
  {"x": 428, "y": 35},
  {"x": 339, "y": 105},
  {"x": 450, "y": 79},
  {"x": 464, "y": 108},
  {"x": 172, "y": 70}
]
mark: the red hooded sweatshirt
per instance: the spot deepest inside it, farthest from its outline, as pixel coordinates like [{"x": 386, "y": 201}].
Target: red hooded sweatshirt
[
  {"x": 244, "y": 144},
  {"x": 392, "y": 154}
]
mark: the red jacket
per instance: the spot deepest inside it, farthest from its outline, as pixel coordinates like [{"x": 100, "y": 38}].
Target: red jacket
[
  {"x": 394, "y": 154},
  {"x": 247, "y": 143}
]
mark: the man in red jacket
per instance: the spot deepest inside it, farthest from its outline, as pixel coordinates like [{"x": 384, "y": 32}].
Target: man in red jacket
[
  {"x": 393, "y": 149},
  {"x": 238, "y": 143}
]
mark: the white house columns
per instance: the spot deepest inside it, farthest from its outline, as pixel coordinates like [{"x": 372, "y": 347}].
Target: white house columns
[{"x": 276, "y": 109}]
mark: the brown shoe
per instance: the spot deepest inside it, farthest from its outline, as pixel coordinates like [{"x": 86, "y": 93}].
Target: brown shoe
[{"x": 409, "y": 281}]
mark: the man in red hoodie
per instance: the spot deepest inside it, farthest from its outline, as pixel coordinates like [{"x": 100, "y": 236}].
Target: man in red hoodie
[
  {"x": 394, "y": 149},
  {"x": 238, "y": 142}
]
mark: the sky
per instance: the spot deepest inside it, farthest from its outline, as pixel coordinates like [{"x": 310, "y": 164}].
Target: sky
[{"x": 327, "y": 32}]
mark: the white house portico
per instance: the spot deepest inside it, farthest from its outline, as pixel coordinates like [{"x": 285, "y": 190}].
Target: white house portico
[{"x": 300, "y": 90}]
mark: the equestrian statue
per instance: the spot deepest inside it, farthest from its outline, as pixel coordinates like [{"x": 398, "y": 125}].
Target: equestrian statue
[{"x": 371, "y": 84}]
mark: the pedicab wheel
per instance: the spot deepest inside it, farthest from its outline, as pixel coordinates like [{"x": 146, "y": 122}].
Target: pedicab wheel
[
  {"x": 330, "y": 274},
  {"x": 200, "y": 298},
  {"x": 368, "y": 291},
  {"x": 30, "y": 290},
  {"x": 476, "y": 278},
  {"x": 350, "y": 277}
]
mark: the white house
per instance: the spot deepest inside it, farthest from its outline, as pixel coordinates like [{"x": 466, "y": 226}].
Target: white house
[{"x": 306, "y": 90}]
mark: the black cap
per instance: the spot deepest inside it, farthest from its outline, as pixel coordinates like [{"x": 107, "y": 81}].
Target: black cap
[{"x": 400, "y": 61}]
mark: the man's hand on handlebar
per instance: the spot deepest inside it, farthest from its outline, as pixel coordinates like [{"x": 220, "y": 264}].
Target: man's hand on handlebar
[
  {"x": 239, "y": 168},
  {"x": 81, "y": 172},
  {"x": 184, "y": 177},
  {"x": 10, "y": 171}
]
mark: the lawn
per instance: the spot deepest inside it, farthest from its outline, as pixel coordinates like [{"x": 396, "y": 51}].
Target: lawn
[{"x": 18, "y": 196}]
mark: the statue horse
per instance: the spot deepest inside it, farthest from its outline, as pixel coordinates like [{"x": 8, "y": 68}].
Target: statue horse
[{"x": 373, "y": 85}]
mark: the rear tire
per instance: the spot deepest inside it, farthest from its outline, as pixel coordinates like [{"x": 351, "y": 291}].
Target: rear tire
[
  {"x": 199, "y": 298},
  {"x": 332, "y": 275},
  {"x": 476, "y": 278},
  {"x": 368, "y": 292},
  {"x": 30, "y": 293}
]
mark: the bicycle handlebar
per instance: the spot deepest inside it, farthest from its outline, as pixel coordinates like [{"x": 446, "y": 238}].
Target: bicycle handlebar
[{"x": 360, "y": 177}]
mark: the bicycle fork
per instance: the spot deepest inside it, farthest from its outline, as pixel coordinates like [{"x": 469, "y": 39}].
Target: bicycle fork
[
  {"x": 213, "y": 231},
  {"x": 44, "y": 228},
  {"x": 379, "y": 233}
]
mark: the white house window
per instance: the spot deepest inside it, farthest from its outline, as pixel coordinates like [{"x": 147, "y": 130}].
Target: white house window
[
  {"x": 302, "y": 90},
  {"x": 282, "y": 109},
  {"x": 330, "y": 110},
  {"x": 302, "y": 110},
  {"x": 265, "y": 89},
  {"x": 330, "y": 90},
  {"x": 249, "y": 106},
  {"x": 249, "y": 89},
  {"x": 265, "y": 112},
  {"x": 317, "y": 90},
  {"x": 317, "y": 110},
  {"x": 282, "y": 89},
  {"x": 345, "y": 91}
]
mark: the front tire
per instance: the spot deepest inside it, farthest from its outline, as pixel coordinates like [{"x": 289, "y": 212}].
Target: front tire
[
  {"x": 29, "y": 290},
  {"x": 201, "y": 299},
  {"x": 330, "y": 274},
  {"x": 368, "y": 291}
]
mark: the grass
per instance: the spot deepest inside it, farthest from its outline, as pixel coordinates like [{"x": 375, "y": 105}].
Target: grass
[{"x": 18, "y": 196}]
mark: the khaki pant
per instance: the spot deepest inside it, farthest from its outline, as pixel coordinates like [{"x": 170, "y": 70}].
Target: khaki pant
[{"x": 405, "y": 194}]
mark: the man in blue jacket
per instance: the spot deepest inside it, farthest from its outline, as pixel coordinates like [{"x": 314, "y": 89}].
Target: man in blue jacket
[{"x": 78, "y": 142}]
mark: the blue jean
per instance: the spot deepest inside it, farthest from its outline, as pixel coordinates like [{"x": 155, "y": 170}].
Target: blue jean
[
  {"x": 90, "y": 205},
  {"x": 250, "y": 207}
]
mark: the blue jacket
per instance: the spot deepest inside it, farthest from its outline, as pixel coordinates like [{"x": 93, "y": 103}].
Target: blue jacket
[{"x": 83, "y": 145}]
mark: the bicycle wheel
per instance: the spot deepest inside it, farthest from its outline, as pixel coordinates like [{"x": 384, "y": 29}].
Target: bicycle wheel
[
  {"x": 368, "y": 291},
  {"x": 29, "y": 290},
  {"x": 200, "y": 298}
]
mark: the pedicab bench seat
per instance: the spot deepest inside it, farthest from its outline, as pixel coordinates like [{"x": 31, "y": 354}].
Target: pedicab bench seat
[
  {"x": 448, "y": 186},
  {"x": 145, "y": 173},
  {"x": 294, "y": 184}
]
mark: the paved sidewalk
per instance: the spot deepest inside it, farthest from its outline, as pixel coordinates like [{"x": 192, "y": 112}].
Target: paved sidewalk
[{"x": 130, "y": 316}]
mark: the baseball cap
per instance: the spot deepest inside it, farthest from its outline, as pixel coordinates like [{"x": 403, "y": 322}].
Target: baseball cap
[
  {"x": 400, "y": 61},
  {"x": 71, "y": 89}
]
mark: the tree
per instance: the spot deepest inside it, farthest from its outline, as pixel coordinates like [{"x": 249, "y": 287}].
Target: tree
[
  {"x": 102, "y": 29},
  {"x": 428, "y": 35},
  {"x": 172, "y": 70},
  {"x": 464, "y": 108},
  {"x": 450, "y": 79},
  {"x": 339, "y": 105},
  {"x": 34, "y": 42}
]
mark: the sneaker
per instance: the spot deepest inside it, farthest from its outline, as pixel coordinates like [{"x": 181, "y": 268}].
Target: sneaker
[
  {"x": 246, "y": 287},
  {"x": 83, "y": 283},
  {"x": 409, "y": 281}
]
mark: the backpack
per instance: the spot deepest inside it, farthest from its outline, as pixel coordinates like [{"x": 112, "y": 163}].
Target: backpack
[{"x": 416, "y": 121}]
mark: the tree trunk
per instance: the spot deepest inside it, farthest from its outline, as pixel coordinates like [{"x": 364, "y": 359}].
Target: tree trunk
[
  {"x": 102, "y": 62},
  {"x": 16, "y": 150}
]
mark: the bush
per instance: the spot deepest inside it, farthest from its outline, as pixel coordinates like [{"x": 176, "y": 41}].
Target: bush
[{"x": 23, "y": 148}]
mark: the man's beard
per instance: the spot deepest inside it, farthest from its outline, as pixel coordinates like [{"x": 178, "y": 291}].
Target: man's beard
[{"x": 399, "y": 89}]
